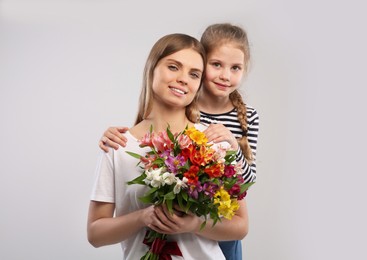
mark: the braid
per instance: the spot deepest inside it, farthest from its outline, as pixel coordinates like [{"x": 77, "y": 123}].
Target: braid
[{"x": 238, "y": 103}]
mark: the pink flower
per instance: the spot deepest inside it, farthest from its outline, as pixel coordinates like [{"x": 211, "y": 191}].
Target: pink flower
[
  {"x": 184, "y": 141},
  {"x": 229, "y": 171},
  {"x": 148, "y": 161},
  {"x": 235, "y": 190},
  {"x": 147, "y": 140},
  {"x": 161, "y": 141}
]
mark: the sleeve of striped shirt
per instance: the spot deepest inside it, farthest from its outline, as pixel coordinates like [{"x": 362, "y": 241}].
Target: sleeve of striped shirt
[{"x": 249, "y": 170}]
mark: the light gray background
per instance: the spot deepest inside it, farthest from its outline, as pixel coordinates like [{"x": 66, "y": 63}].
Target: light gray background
[{"x": 69, "y": 69}]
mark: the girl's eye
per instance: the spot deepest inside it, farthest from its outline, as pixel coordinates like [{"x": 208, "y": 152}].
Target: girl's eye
[
  {"x": 236, "y": 68},
  {"x": 216, "y": 64}
]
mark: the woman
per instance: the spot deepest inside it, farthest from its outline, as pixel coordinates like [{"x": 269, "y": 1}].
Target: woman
[{"x": 172, "y": 78}]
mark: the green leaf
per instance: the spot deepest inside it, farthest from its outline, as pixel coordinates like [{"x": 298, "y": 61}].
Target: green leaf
[
  {"x": 187, "y": 207},
  {"x": 147, "y": 198},
  {"x": 138, "y": 180},
  {"x": 152, "y": 190},
  {"x": 169, "y": 206},
  {"x": 202, "y": 225},
  {"x": 245, "y": 186},
  {"x": 179, "y": 200},
  {"x": 185, "y": 196},
  {"x": 230, "y": 152},
  {"x": 135, "y": 155},
  {"x": 169, "y": 196},
  {"x": 170, "y": 135}
]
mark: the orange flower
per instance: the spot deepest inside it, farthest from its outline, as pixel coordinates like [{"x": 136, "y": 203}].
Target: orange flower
[
  {"x": 186, "y": 152},
  {"x": 197, "y": 157},
  {"x": 215, "y": 170},
  {"x": 197, "y": 136},
  {"x": 192, "y": 174}
]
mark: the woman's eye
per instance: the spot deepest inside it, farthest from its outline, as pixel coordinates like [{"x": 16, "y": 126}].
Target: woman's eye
[
  {"x": 172, "y": 67},
  {"x": 196, "y": 75}
]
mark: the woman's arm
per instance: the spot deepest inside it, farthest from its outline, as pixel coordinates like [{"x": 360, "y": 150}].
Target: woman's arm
[
  {"x": 234, "y": 229},
  {"x": 104, "y": 229}
]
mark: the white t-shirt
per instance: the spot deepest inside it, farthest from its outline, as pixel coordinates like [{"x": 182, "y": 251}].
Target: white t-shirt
[{"x": 114, "y": 170}]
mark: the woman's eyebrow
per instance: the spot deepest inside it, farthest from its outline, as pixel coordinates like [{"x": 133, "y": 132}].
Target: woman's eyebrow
[{"x": 181, "y": 65}]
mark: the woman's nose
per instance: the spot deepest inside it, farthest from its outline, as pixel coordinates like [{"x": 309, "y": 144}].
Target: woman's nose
[{"x": 182, "y": 79}]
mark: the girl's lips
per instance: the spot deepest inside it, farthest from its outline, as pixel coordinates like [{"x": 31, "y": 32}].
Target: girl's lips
[{"x": 221, "y": 85}]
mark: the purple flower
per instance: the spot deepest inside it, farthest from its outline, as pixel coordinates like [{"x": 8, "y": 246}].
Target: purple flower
[
  {"x": 173, "y": 163},
  {"x": 194, "y": 190},
  {"x": 166, "y": 153},
  {"x": 210, "y": 189}
]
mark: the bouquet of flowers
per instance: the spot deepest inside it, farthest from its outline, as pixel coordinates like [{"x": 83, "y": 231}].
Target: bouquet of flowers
[{"x": 184, "y": 169}]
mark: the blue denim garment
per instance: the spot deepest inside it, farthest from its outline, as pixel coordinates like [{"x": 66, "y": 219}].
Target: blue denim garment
[{"x": 232, "y": 250}]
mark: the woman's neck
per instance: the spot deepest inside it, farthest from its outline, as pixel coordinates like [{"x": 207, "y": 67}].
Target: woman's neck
[{"x": 160, "y": 120}]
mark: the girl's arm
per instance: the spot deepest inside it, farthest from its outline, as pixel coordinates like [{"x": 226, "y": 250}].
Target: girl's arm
[
  {"x": 113, "y": 137},
  {"x": 249, "y": 170},
  {"x": 219, "y": 133}
]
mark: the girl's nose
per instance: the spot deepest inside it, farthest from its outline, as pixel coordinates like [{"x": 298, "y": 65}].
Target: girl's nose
[{"x": 225, "y": 75}]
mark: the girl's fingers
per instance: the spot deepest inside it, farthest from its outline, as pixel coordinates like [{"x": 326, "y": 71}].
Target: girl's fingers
[
  {"x": 103, "y": 146},
  {"x": 113, "y": 137},
  {"x": 122, "y": 129}
]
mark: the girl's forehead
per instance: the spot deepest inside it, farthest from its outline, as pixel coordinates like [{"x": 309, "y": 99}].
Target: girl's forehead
[{"x": 227, "y": 52}]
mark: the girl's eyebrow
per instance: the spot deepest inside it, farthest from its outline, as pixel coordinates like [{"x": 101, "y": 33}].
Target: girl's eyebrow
[
  {"x": 218, "y": 60},
  {"x": 181, "y": 65}
]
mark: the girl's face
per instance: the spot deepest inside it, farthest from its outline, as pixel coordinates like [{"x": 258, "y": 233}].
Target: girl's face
[
  {"x": 177, "y": 77},
  {"x": 224, "y": 70}
]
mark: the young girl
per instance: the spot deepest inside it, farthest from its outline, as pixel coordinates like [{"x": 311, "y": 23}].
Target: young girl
[
  {"x": 221, "y": 105},
  {"x": 172, "y": 77}
]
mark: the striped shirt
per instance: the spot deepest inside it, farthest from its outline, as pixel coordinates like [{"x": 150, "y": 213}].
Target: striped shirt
[{"x": 230, "y": 120}]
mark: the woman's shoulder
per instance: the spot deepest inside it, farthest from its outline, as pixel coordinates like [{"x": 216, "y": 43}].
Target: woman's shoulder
[{"x": 139, "y": 130}]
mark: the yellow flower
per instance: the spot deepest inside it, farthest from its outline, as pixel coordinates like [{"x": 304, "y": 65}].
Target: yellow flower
[
  {"x": 197, "y": 136},
  {"x": 227, "y": 207}
]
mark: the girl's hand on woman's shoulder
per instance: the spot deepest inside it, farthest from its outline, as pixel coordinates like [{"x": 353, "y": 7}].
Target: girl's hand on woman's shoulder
[
  {"x": 113, "y": 137},
  {"x": 217, "y": 133}
]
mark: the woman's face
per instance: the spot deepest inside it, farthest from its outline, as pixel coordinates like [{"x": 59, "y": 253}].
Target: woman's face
[
  {"x": 224, "y": 70},
  {"x": 177, "y": 78}
]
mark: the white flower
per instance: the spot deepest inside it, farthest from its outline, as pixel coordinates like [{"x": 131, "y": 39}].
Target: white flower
[
  {"x": 220, "y": 153},
  {"x": 238, "y": 168},
  {"x": 154, "y": 178},
  {"x": 169, "y": 178},
  {"x": 179, "y": 185}
]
